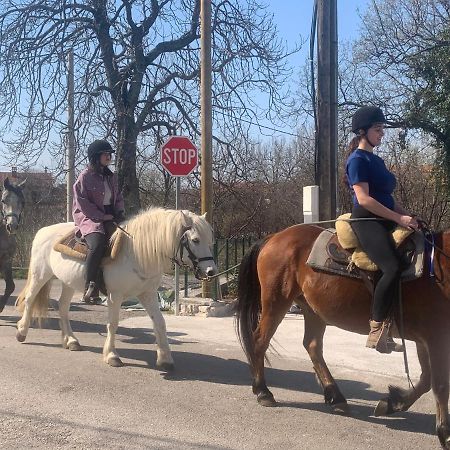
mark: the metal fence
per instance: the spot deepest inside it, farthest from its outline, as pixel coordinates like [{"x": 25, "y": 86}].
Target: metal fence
[{"x": 228, "y": 253}]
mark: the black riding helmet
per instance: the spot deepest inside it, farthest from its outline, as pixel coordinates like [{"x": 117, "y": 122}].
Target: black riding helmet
[
  {"x": 98, "y": 147},
  {"x": 365, "y": 117}
]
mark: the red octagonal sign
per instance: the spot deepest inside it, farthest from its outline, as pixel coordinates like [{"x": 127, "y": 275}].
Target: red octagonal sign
[{"x": 179, "y": 156}]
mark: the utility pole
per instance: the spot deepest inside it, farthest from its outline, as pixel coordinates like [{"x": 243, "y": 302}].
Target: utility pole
[
  {"x": 70, "y": 178},
  {"x": 206, "y": 119},
  {"x": 327, "y": 107}
]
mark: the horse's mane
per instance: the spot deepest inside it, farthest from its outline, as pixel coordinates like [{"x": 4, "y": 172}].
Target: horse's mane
[{"x": 156, "y": 233}]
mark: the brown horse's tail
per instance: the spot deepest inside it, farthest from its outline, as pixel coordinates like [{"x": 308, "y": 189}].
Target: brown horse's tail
[
  {"x": 248, "y": 306},
  {"x": 41, "y": 299}
]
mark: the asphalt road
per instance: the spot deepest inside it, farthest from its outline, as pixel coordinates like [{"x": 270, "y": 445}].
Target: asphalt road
[{"x": 52, "y": 398}]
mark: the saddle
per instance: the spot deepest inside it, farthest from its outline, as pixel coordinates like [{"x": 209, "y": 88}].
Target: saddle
[
  {"x": 329, "y": 255},
  {"x": 75, "y": 247}
]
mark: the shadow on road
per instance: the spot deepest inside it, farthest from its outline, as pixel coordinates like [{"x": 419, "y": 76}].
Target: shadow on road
[{"x": 213, "y": 369}]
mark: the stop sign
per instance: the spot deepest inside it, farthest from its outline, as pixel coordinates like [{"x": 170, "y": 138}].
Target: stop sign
[{"x": 179, "y": 156}]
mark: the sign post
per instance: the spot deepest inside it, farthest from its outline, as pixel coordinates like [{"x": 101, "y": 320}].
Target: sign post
[{"x": 179, "y": 156}]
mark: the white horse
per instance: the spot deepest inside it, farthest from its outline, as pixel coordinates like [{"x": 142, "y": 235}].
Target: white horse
[{"x": 155, "y": 238}]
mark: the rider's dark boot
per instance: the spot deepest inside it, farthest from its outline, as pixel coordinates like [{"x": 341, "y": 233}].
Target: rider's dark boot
[{"x": 91, "y": 294}]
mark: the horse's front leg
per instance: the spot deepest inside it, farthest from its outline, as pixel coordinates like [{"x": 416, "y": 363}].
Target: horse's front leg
[
  {"x": 164, "y": 359},
  {"x": 69, "y": 340},
  {"x": 9, "y": 283},
  {"x": 402, "y": 399},
  {"x": 110, "y": 355},
  {"x": 440, "y": 366}
]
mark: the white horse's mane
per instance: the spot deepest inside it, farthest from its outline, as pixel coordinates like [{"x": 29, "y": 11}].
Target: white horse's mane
[{"x": 156, "y": 233}]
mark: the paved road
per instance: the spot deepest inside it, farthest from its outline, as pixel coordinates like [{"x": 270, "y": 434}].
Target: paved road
[{"x": 53, "y": 398}]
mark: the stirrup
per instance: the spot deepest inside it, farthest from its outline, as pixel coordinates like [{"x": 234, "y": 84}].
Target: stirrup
[
  {"x": 394, "y": 346},
  {"x": 90, "y": 293}
]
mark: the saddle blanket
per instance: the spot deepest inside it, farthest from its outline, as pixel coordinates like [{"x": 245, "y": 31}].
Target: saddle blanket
[
  {"x": 328, "y": 256},
  {"x": 71, "y": 246}
]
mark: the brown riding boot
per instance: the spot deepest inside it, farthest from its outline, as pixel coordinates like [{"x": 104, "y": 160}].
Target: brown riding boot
[{"x": 378, "y": 336}]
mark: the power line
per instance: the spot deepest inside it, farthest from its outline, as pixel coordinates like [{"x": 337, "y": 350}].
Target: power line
[
  {"x": 264, "y": 126},
  {"x": 215, "y": 111}
]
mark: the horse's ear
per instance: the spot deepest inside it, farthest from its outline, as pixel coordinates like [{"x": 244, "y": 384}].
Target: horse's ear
[
  {"x": 22, "y": 184},
  {"x": 6, "y": 183},
  {"x": 186, "y": 220}
]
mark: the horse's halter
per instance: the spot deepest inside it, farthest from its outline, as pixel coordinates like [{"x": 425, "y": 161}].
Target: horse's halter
[{"x": 178, "y": 256}]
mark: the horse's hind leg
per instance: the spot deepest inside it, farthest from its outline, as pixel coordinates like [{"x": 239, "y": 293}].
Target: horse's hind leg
[
  {"x": 440, "y": 366},
  {"x": 402, "y": 399},
  {"x": 271, "y": 317},
  {"x": 32, "y": 290},
  {"x": 69, "y": 340},
  {"x": 313, "y": 343},
  {"x": 164, "y": 359}
]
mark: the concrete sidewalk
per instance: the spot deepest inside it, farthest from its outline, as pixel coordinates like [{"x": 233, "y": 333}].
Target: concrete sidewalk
[{"x": 341, "y": 348}]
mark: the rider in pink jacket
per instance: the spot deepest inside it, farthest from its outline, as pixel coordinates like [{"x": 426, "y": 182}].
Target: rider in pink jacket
[{"x": 97, "y": 207}]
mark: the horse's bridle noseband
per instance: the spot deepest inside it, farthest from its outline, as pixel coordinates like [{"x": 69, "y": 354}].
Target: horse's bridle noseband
[
  {"x": 17, "y": 216},
  {"x": 178, "y": 256}
]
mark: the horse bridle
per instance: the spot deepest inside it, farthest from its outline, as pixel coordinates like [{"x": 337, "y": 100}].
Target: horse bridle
[
  {"x": 178, "y": 256},
  {"x": 13, "y": 214},
  {"x": 17, "y": 216}
]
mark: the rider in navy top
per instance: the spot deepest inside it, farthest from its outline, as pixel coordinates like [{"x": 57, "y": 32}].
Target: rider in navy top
[
  {"x": 372, "y": 185},
  {"x": 363, "y": 166}
]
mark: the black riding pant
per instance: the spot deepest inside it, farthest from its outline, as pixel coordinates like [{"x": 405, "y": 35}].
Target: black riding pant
[
  {"x": 376, "y": 240},
  {"x": 96, "y": 248}
]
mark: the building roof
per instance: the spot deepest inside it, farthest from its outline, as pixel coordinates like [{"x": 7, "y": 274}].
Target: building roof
[{"x": 37, "y": 177}]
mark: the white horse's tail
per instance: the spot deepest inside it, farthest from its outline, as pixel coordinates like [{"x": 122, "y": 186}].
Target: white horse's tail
[{"x": 41, "y": 299}]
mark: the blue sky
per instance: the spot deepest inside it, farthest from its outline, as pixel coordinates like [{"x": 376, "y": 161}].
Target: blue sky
[{"x": 293, "y": 19}]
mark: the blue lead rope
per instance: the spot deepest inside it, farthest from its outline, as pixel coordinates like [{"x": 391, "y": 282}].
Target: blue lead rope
[{"x": 429, "y": 245}]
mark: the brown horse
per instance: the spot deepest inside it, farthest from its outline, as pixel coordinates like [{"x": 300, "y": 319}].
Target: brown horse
[{"x": 274, "y": 275}]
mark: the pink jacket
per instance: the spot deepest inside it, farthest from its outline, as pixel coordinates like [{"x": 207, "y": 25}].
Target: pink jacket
[{"x": 88, "y": 193}]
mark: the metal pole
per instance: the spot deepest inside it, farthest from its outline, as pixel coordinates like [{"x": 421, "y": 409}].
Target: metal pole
[
  {"x": 70, "y": 179},
  {"x": 206, "y": 119},
  {"x": 177, "y": 269},
  {"x": 327, "y": 110}
]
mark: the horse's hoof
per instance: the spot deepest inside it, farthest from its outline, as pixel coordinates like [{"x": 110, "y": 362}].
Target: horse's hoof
[
  {"x": 20, "y": 337},
  {"x": 447, "y": 444},
  {"x": 266, "y": 399},
  {"x": 166, "y": 367},
  {"x": 115, "y": 362},
  {"x": 341, "y": 408},
  {"x": 443, "y": 435},
  {"x": 75, "y": 347},
  {"x": 384, "y": 408}
]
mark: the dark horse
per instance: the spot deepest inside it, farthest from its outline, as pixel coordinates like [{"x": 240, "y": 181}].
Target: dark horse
[
  {"x": 274, "y": 274},
  {"x": 13, "y": 203}
]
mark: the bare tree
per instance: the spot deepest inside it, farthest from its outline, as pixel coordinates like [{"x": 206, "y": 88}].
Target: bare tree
[
  {"x": 402, "y": 62},
  {"x": 137, "y": 72}
]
